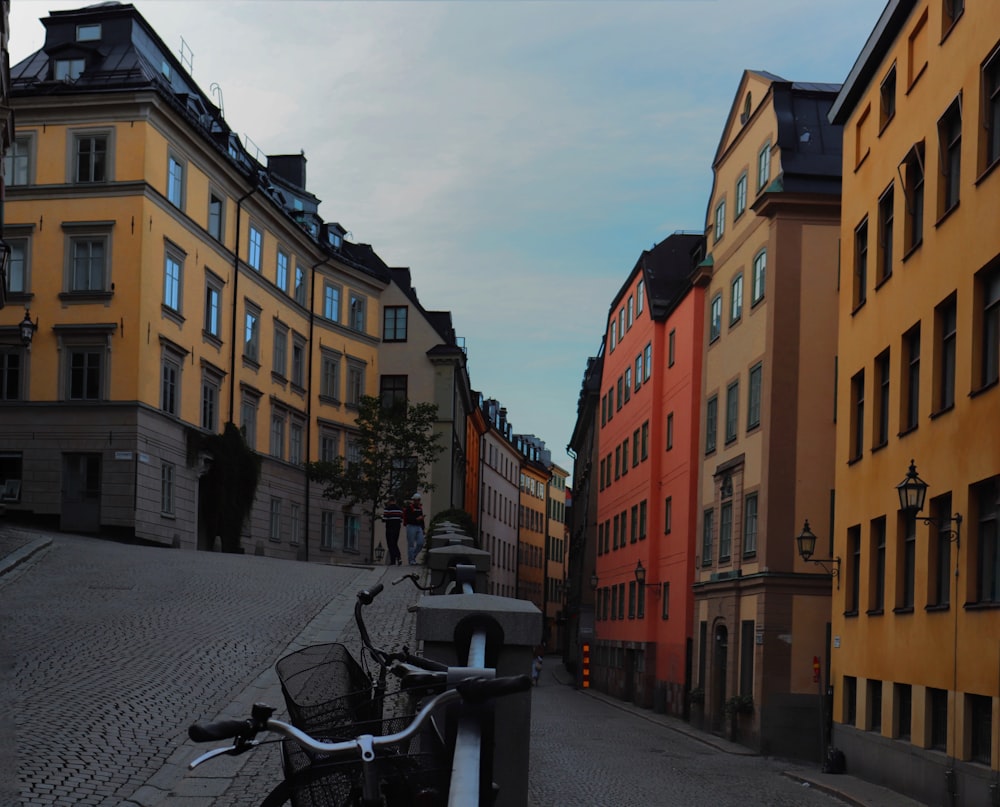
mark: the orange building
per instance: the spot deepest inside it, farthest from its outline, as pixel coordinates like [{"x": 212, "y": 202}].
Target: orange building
[
  {"x": 646, "y": 479},
  {"x": 916, "y": 658},
  {"x": 761, "y": 613}
]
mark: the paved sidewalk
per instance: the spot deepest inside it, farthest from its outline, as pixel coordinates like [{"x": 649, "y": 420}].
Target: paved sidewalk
[
  {"x": 18, "y": 544},
  {"x": 844, "y": 787}
]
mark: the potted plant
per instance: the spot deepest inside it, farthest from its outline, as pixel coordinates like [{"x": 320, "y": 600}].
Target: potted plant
[
  {"x": 738, "y": 706},
  {"x": 696, "y": 702}
]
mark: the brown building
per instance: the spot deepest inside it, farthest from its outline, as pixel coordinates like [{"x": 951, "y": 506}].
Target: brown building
[{"x": 761, "y": 613}]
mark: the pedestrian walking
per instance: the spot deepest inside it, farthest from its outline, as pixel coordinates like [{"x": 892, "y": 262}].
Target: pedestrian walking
[
  {"x": 392, "y": 515},
  {"x": 536, "y": 669},
  {"x": 413, "y": 518}
]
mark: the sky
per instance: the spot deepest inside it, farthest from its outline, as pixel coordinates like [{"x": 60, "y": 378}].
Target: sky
[{"x": 517, "y": 155}]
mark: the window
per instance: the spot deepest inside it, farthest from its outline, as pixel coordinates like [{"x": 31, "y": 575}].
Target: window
[
  {"x": 213, "y": 309},
  {"x": 863, "y": 136},
  {"x": 670, "y": 431},
  {"x": 753, "y": 403},
  {"x": 667, "y": 515},
  {"x": 913, "y": 189},
  {"x": 11, "y": 363},
  {"x": 725, "y": 531},
  {"x": 882, "y": 399},
  {"x": 741, "y": 195},
  {"x": 631, "y": 312},
  {"x": 987, "y": 540},
  {"x": 88, "y": 268},
  {"x": 850, "y": 700},
  {"x": 635, "y": 448},
  {"x": 763, "y": 166},
  {"x": 711, "y": 418},
  {"x": 950, "y": 145},
  {"x": 732, "y": 410},
  {"x": 352, "y": 532},
  {"x": 750, "y": 524},
  {"x": 917, "y": 50},
  {"x": 326, "y": 530},
  {"x": 638, "y": 372},
  {"x": 274, "y": 523},
  {"x": 620, "y": 398},
  {"x": 940, "y": 555},
  {"x": 329, "y": 381},
  {"x": 981, "y": 713},
  {"x": 175, "y": 181},
  {"x": 875, "y": 706},
  {"x": 298, "y": 360},
  {"x": 248, "y": 417},
  {"x": 254, "y": 248},
  {"x": 858, "y": 415},
  {"x": 861, "y": 264},
  {"x": 89, "y": 32},
  {"x": 173, "y": 263},
  {"x": 628, "y": 384},
  {"x": 720, "y": 220},
  {"x": 251, "y": 333},
  {"x": 938, "y": 717},
  {"x": 759, "y": 277},
  {"x": 167, "y": 489},
  {"x": 671, "y": 345},
  {"x": 945, "y": 323},
  {"x": 647, "y": 362},
  {"x": 18, "y": 163},
  {"x": 331, "y": 301},
  {"x": 990, "y": 149},
  {"x": 906, "y": 557},
  {"x": 279, "y": 363},
  {"x": 85, "y": 375},
  {"x": 640, "y": 294},
  {"x": 885, "y": 220},
  {"x": 329, "y": 445},
  {"x": 987, "y": 292},
  {"x": 68, "y": 69},
  {"x": 18, "y": 281},
  {"x": 90, "y": 157},
  {"x": 614, "y": 332},
  {"x": 631, "y": 599},
  {"x": 852, "y": 570},
  {"x": 904, "y": 710},
  {"x": 910, "y": 405},
  {"x": 715, "y": 318},
  {"x": 616, "y": 531},
  {"x": 706, "y": 538},
  {"x": 643, "y": 517},
  {"x": 736, "y": 300},
  {"x": 277, "y": 446},
  {"x": 392, "y": 390},
  {"x": 394, "y": 323},
  {"x": 171, "y": 361},
  {"x": 211, "y": 386},
  {"x": 644, "y": 440},
  {"x": 300, "y": 285},
  {"x": 951, "y": 11},
  {"x": 281, "y": 272},
  {"x": 618, "y": 462},
  {"x": 634, "y": 531},
  {"x": 358, "y": 304},
  {"x": 621, "y": 323},
  {"x": 355, "y": 382},
  {"x": 887, "y": 98},
  {"x": 216, "y": 215},
  {"x": 876, "y": 594}
]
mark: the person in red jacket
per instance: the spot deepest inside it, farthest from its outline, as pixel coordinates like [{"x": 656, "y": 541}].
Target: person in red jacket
[{"x": 413, "y": 518}]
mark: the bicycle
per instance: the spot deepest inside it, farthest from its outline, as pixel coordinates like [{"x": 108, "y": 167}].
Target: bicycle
[{"x": 341, "y": 749}]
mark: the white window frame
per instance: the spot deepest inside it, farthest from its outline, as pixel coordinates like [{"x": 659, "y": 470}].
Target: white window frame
[
  {"x": 176, "y": 169},
  {"x": 759, "y": 277},
  {"x": 331, "y": 301},
  {"x": 255, "y": 248}
]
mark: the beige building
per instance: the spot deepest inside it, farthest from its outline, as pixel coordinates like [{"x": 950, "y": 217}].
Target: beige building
[{"x": 762, "y": 614}]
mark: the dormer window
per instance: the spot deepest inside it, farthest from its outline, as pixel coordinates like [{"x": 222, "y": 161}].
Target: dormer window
[
  {"x": 335, "y": 239},
  {"x": 90, "y": 32},
  {"x": 67, "y": 69}
]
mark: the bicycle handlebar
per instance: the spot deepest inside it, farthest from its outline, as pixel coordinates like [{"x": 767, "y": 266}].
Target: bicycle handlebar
[{"x": 472, "y": 690}]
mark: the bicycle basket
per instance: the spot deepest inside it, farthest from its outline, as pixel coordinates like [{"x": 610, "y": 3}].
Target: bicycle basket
[
  {"x": 326, "y": 690},
  {"x": 407, "y": 772}
]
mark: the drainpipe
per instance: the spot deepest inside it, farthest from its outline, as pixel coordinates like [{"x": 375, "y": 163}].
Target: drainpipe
[
  {"x": 309, "y": 397},
  {"x": 236, "y": 282}
]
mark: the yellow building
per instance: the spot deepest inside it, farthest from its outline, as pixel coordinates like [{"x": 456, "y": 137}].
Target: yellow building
[
  {"x": 916, "y": 658},
  {"x": 556, "y": 559},
  {"x": 177, "y": 283},
  {"x": 770, "y": 278}
]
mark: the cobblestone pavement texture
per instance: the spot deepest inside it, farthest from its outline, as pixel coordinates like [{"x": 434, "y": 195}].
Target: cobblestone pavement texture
[{"x": 109, "y": 651}]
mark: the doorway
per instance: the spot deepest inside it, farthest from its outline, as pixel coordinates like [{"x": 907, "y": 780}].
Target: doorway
[
  {"x": 81, "y": 493},
  {"x": 721, "y": 667}
]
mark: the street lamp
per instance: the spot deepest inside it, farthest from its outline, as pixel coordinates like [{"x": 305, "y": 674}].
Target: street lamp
[
  {"x": 379, "y": 553},
  {"x": 806, "y": 542},
  {"x": 28, "y": 328},
  {"x": 640, "y": 578},
  {"x": 912, "y": 495}
]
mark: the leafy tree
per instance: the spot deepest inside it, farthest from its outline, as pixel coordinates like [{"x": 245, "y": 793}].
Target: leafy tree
[
  {"x": 229, "y": 486},
  {"x": 396, "y": 444}
]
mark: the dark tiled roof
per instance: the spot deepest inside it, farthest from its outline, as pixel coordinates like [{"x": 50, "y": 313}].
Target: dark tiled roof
[
  {"x": 811, "y": 147},
  {"x": 667, "y": 269},
  {"x": 440, "y": 321}
]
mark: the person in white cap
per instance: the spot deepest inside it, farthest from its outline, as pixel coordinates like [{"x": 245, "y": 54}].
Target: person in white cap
[{"x": 413, "y": 518}]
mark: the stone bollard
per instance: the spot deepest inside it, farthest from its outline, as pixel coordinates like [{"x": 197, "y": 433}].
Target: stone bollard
[
  {"x": 440, "y": 558},
  {"x": 510, "y": 650}
]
